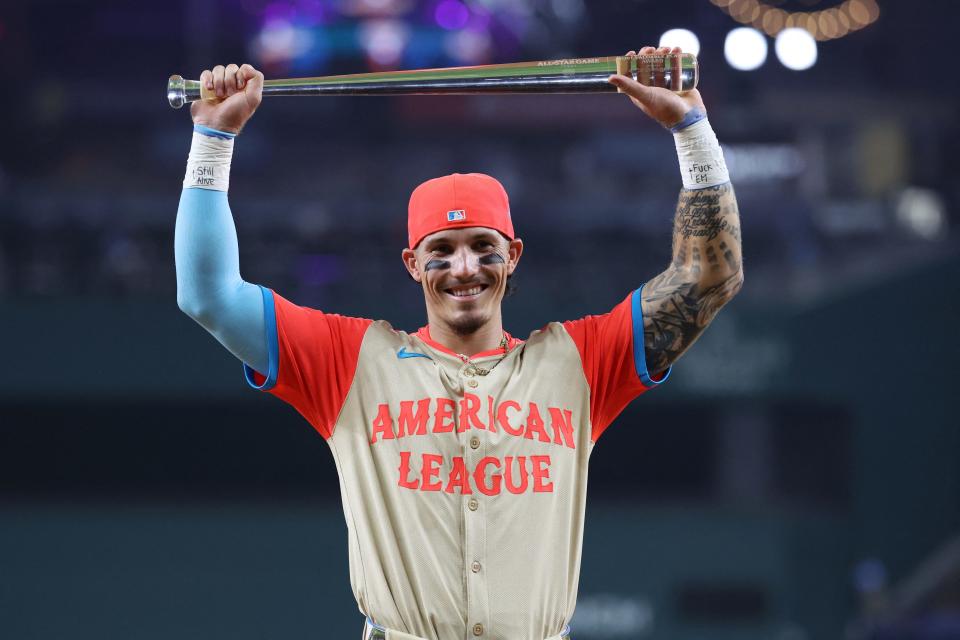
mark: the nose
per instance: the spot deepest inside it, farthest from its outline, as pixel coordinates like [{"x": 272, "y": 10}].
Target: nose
[{"x": 464, "y": 264}]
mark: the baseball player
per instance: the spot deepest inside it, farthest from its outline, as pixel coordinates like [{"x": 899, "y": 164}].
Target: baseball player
[{"x": 462, "y": 450}]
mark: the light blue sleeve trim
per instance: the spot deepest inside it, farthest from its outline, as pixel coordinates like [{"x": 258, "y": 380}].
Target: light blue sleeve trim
[
  {"x": 213, "y": 133},
  {"x": 639, "y": 349},
  {"x": 273, "y": 346}
]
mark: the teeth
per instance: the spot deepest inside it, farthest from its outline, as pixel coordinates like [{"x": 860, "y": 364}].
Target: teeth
[{"x": 466, "y": 292}]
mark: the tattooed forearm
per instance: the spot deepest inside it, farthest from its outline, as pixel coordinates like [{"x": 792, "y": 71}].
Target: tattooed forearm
[
  {"x": 703, "y": 215},
  {"x": 706, "y": 272}
]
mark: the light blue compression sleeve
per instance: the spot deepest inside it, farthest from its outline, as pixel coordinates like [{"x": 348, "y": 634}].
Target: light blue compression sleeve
[{"x": 209, "y": 287}]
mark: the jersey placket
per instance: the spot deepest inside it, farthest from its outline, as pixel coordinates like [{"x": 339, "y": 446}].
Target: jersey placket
[{"x": 475, "y": 509}]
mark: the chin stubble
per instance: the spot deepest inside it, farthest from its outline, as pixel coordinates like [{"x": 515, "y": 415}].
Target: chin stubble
[{"x": 467, "y": 326}]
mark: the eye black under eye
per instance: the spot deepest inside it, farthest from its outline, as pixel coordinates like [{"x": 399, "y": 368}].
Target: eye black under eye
[{"x": 491, "y": 258}]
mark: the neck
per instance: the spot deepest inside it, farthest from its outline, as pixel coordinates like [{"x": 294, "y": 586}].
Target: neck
[{"x": 486, "y": 338}]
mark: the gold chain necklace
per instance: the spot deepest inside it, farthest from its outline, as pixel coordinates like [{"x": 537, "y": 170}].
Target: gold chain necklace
[{"x": 480, "y": 371}]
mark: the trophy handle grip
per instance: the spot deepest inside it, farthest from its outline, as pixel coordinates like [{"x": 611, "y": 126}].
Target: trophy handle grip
[
  {"x": 625, "y": 68},
  {"x": 664, "y": 71},
  {"x": 208, "y": 94},
  {"x": 181, "y": 91}
]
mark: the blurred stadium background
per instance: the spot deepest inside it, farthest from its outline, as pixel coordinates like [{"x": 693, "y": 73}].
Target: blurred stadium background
[{"x": 797, "y": 479}]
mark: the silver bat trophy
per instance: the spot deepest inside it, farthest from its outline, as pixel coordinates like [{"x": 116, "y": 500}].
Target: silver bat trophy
[{"x": 677, "y": 72}]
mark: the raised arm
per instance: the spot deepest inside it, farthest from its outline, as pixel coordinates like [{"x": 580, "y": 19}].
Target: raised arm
[
  {"x": 707, "y": 266},
  {"x": 209, "y": 286},
  {"x": 706, "y": 272}
]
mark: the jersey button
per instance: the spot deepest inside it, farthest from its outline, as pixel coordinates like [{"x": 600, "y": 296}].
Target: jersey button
[
  {"x": 474, "y": 442},
  {"x": 473, "y": 504},
  {"x": 478, "y": 629},
  {"x": 472, "y": 383},
  {"x": 475, "y": 566}
]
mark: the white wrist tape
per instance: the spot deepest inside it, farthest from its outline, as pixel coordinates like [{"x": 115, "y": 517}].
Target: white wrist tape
[
  {"x": 208, "y": 165},
  {"x": 701, "y": 159}
]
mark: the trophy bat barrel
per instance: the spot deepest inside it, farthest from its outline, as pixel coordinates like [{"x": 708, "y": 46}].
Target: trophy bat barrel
[{"x": 677, "y": 72}]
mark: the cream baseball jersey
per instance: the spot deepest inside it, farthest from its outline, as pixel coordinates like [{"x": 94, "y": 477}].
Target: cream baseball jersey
[{"x": 463, "y": 483}]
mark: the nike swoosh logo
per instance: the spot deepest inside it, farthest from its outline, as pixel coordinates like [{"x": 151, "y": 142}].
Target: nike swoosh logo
[{"x": 403, "y": 353}]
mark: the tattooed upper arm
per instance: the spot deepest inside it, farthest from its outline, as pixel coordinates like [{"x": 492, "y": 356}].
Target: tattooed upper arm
[{"x": 706, "y": 272}]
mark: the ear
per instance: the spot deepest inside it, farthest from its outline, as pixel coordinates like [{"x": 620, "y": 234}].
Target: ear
[
  {"x": 409, "y": 257},
  {"x": 514, "y": 251}
]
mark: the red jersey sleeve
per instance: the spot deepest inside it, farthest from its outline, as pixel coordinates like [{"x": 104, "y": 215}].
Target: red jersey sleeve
[
  {"x": 312, "y": 359},
  {"x": 613, "y": 358}
]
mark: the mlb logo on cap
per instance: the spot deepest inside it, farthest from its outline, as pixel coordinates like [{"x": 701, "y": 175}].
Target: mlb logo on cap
[{"x": 459, "y": 214}]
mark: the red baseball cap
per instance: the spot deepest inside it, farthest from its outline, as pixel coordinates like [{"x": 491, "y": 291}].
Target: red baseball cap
[{"x": 458, "y": 200}]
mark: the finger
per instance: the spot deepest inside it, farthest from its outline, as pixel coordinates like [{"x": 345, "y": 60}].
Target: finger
[
  {"x": 646, "y": 51},
  {"x": 245, "y": 74},
  {"x": 230, "y": 79},
  {"x": 206, "y": 78},
  {"x": 677, "y": 50},
  {"x": 631, "y": 53},
  {"x": 663, "y": 50},
  {"x": 630, "y": 87},
  {"x": 218, "y": 79},
  {"x": 253, "y": 85}
]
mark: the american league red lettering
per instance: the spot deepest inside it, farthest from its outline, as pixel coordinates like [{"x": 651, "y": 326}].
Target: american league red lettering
[{"x": 530, "y": 426}]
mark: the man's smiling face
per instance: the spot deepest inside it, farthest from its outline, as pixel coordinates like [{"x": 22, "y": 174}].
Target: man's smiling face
[{"x": 464, "y": 275}]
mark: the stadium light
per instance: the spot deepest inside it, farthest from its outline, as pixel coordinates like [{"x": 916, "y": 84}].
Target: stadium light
[
  {"x": 745, "y": 49},
  {"x": 796, "y": 49},
  {"x": 451, "y": 15},
  {"x": 683, "y": 38},
  {"x": 280, "y": 41},
  {"x": 384, "y": 41}
]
